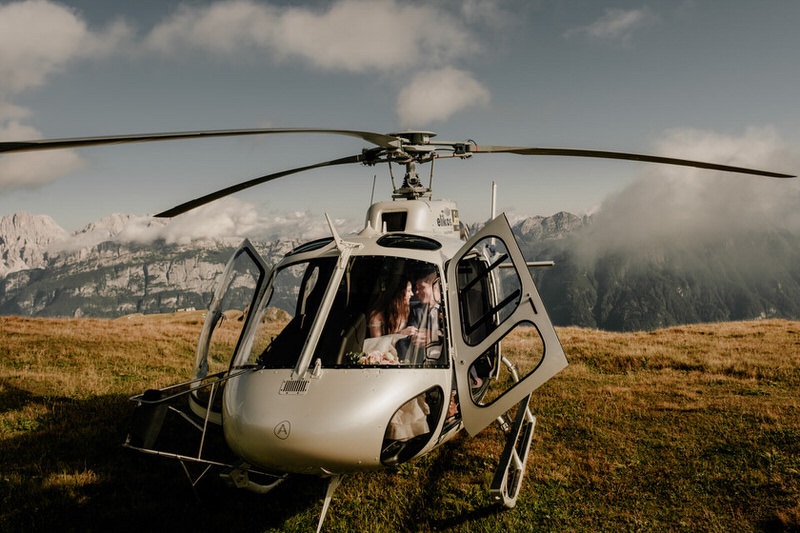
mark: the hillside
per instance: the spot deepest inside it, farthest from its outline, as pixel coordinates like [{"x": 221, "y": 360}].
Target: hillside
[
  {"x": 668, "y": 282},
  {"x": 694, "y": 428},
  {"x": 100, "y": 272}
]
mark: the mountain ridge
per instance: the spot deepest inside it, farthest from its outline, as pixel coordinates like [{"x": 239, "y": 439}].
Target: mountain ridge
[{"x": 106, "y": 270}]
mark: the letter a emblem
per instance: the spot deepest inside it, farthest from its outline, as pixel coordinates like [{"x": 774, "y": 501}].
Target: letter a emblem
[{"x": 283, "y": 429}]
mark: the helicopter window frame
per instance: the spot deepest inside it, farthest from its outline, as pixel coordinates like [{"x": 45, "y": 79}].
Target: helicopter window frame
[
  {"x": 303, "y": 293},
  {"x": 483, "y": 291},
  {"x": 219, "y": 307},
  {"x": 408, "y": 241},
  {"x": 310, "y": 246}
]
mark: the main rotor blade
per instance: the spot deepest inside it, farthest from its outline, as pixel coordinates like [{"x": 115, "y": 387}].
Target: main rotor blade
[
  {"x": 576, "y": 152},
  {"x": 197, "y": 202},
  {"x": 379, "y": 139}
]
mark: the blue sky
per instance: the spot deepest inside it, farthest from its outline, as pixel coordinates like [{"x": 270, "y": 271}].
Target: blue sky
[{"x": 697, "y": 79}]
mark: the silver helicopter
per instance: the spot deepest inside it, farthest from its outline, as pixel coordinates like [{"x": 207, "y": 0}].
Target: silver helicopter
[{"x": 362, "y": 352}]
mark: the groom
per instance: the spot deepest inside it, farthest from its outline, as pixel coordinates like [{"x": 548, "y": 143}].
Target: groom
[{"x": 426, "y": 316}]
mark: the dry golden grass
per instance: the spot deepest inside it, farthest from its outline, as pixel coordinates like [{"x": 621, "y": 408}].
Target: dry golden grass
[{"x": 692, "y": 428}]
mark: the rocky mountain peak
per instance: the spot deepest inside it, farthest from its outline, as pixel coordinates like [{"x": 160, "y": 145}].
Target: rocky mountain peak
[
  {"x": 25, "y": 239},
  {"x": 555, "y": 226}
]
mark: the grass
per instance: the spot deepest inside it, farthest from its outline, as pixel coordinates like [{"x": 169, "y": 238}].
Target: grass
[{"x": 693, "y": 428}]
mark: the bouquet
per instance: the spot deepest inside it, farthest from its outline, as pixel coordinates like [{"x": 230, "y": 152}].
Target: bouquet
[{"x": 374, "y": 358}]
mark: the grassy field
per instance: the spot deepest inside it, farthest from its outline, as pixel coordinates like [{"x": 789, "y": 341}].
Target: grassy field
[{"x": 693, "y": 428}]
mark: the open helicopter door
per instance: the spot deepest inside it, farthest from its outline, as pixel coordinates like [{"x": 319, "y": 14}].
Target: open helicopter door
[
  {"x": 495, "y": 294},
  {"x": 237, "y": 292}
]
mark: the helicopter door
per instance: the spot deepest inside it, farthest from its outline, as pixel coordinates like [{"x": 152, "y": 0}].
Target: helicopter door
[
  {"x": 496, "y": 295},
  {"x": 239, "y": 285}
]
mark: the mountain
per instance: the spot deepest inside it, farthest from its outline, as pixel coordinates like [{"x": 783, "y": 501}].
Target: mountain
[
  {"x": 104, "y": 270},
  {"x": 96, "y": 272},
  {"x": 25, "y": 239},
  {"x": 746, "y": 276}
]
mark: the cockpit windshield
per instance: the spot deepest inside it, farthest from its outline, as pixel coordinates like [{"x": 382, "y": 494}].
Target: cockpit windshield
[
  {"x": 289, "y": 312},
  {"x": 385, "y": 311}
]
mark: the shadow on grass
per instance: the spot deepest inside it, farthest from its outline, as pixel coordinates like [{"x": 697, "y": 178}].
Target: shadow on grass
[
  {"x": 440, "y": 505},
  {"x": 67, "y": 470}
]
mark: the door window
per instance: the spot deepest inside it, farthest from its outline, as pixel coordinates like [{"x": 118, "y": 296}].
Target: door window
[{"x": 497, "y": 302}]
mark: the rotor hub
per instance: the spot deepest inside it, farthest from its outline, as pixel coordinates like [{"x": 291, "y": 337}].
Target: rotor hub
[{"x": 415, "y": 137}]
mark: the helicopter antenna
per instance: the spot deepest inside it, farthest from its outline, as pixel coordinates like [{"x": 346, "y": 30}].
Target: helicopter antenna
[
  {"x": 344, "y": 247},
  {"x": 367, "y": 223},
  {"x": 494, "y": 200}
]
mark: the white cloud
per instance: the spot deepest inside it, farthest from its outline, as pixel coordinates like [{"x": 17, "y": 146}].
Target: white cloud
[
  {"x": 223, "y": 28},
  {"x": 485, "y": 12},
  {"x": 28, "y": 170},
  {"x": 38, "y": 39},
  {"x": 758, "y": 146},
  {"x": 438, "y": 94},
  {"x": 351, "y": 35},
  {"x": 228, "y": 218},
  {"x": 682, "y": 204},
  {"x": 348, "y": 35},
  {"x": 616, "y": 25}
]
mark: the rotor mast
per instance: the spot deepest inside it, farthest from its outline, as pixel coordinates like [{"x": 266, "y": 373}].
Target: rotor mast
[{"x": 417, "y": 150}]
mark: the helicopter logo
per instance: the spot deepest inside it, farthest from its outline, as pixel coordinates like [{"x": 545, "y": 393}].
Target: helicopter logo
[
  {"x": 283, "y": 429},
  {"x": 366, "y": 351}
]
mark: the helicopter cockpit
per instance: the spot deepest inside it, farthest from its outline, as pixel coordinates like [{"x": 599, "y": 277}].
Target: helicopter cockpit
[{"x": 374, "y": 319}]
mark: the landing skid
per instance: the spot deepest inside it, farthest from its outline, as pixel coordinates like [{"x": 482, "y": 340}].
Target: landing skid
[{"x": 333, "y": 484}]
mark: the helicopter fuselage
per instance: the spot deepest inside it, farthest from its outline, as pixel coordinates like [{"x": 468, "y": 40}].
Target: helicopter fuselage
[
  {"x": 321, "y": 380},
  {"x": 309, "y": 406},
  {"x": 338, "y": 425}
]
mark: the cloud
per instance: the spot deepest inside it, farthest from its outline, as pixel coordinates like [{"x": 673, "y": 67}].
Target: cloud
[
  {"x": 616, "y": 25},
  {"x": 350, "y": 35},
  {"x": 355, "y": 36},
  {"x": 687, "y": 205},
  {"x": 438, "y": 94},
  {"x": 30, "y": 170},
  {"x": 221, "y": 28},
  {"x": 485, "y": 13},
  {"x": 37, "y": 40},
  {"x": 229, "y": 218}
]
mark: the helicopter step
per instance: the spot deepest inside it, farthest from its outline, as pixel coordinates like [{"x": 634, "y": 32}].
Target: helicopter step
[{"x": 511, "y": 468}]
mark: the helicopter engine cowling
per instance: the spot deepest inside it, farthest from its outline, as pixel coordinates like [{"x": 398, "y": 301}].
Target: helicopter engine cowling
[{"x": 336, "y": 423}]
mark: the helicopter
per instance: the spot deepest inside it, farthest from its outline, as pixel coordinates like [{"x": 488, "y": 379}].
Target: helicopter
[{"x": 297, "y": 370}]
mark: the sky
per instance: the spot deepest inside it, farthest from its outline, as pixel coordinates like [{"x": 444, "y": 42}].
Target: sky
[{"x": 697, "y": 79}]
